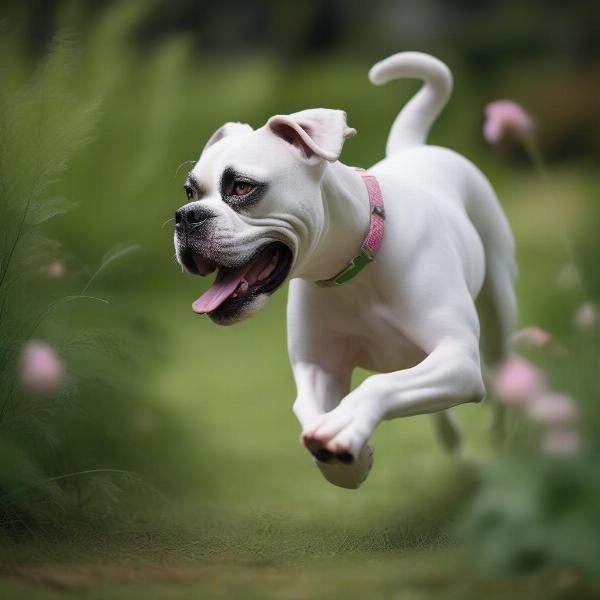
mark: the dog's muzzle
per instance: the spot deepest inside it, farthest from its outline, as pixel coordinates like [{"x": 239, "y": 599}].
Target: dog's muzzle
[{"x": 240, "y": 279}]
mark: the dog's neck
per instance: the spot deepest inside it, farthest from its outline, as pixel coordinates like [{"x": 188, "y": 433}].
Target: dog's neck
[{"x": 346, "y": 213}]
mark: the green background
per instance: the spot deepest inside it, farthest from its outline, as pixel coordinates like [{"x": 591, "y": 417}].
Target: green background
[{"x": 219, "y": 497}]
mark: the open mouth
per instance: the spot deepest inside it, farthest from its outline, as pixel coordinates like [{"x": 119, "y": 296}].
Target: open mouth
[{"x": 234, "y": 287}]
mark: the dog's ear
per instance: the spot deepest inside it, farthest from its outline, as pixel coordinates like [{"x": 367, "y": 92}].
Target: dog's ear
[
  {"x": 227, "y": 130},
  {"x": 318, "y": 131}
]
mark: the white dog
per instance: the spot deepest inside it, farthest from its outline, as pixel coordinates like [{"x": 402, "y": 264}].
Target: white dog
[{"x": 275, "y": 203}]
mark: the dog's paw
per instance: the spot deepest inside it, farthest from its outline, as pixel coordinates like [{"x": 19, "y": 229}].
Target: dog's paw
[
  {"x": 339, "y": 435},
  {"x": 323, "y": 454},
  {"x": 349, "y": 476}
]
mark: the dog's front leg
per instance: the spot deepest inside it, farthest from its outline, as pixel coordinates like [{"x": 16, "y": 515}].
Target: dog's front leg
[
  {"x": 319, "y": 391},
  {"x": 450, "y": 375}
]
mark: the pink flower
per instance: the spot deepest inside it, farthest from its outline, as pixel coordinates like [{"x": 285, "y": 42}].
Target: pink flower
[
  {"x": 532, "y": 336},
  {"x": 41, "y": 369},
  {"x": 55, "y": 269},
  {"x": 504, "y": 119},
  {"x": 586, "y": 316},
  {"x": 561, "y": 442},
  {"x": 550, "y": 408},
  {"x": 517, "y": 381}
]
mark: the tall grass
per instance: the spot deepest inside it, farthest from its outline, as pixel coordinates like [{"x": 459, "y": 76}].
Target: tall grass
[
  {"x": 36, "y": 142},
  {"x": 53, "y": 468}
]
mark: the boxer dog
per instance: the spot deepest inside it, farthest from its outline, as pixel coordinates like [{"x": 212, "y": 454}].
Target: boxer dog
[{"x": 406, "y": 270}]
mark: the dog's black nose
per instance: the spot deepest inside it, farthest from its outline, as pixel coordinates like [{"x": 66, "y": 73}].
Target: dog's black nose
[{"x": 191, "y": 215}]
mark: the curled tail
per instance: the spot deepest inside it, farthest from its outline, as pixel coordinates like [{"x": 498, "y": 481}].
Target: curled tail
[{"x": 414, "y": 121}]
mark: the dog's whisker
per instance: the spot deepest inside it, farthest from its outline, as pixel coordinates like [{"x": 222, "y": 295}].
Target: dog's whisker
[
  {"x": 185, "y": 162},
  {"x": 167, "y": 221}
]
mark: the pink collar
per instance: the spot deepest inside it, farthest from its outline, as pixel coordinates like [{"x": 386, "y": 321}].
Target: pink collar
[{"x": 372, "y": 240}]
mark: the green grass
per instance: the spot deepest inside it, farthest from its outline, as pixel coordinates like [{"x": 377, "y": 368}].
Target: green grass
[
  {"x": 419, "y": 575},
  {"x": 258, "y": 520}
]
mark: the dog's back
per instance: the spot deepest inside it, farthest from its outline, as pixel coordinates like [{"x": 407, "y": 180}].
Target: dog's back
[{"x": 457, "y": 180}]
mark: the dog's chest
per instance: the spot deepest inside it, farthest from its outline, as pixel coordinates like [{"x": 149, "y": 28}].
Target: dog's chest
[{"x": 377, "y": 339}]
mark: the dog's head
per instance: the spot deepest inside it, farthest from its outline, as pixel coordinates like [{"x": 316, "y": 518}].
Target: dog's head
[{"x": 254, "y": 207}]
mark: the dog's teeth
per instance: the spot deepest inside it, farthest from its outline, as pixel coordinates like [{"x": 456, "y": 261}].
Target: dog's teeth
[
  {"x": 266, "y": 271},
  {"x": 243, "y": 287}
]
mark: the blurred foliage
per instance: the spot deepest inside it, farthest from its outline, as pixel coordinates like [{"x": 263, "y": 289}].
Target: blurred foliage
[
  {"x": 543, "y": 53},
  {"x": 537, "y": 514},
  {"x": 55, "y": 448},
  {"x": 535, "y": 511}
]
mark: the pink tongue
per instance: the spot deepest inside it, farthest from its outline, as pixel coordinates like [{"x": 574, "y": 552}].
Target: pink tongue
[{"x": 219, "y": 291}]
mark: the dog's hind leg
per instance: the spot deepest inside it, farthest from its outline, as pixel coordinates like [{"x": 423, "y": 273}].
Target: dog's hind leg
[
  {"x": 497, "y": 311},
  {"x": 447, "y": 429},
  {"x": 497, "y": 308},
  {"x": 496, "y": 303}
]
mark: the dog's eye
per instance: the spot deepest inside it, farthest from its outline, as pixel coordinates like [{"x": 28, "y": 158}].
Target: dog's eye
[
  {"x": 241, "y": 188},
  {"x": 189, "y": 192}
]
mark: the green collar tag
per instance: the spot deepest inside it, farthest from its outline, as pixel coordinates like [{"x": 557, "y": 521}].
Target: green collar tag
[{"x": 346, "y": 274}]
